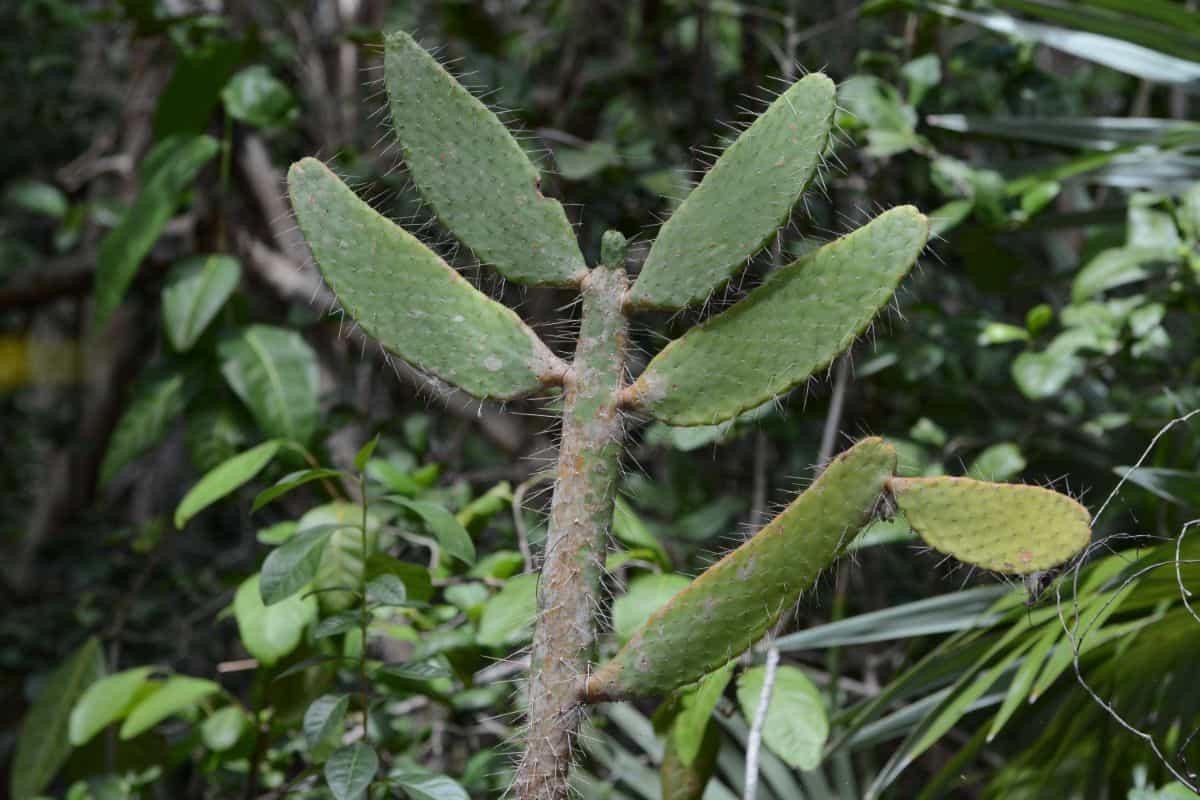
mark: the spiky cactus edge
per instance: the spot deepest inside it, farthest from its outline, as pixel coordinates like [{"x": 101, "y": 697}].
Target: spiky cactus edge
[{"x": 483, "y": 188}]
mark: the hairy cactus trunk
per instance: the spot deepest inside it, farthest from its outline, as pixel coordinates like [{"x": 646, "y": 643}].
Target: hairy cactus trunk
[{"x": 580, "y": 516}]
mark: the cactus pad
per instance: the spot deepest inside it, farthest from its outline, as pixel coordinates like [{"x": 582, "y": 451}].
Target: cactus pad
[
  {"x": 733, "y": 603},
  {"x": 405, "y": 296},
  {"x": 742, "y": 201},
  {"x": 1003, "y": 527},
  {"x": 798, "y": 321},
  {"x": 474, "y": 174}
]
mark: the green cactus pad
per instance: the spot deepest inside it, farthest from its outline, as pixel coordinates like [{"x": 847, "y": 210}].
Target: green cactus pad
[
  {"x": 798, "y": 321},
  {"x": 400, "y": 292},
  {"x": 742, "y": 201},
  {"x": 732, "y": 604},
  {"x": 1003, "y": 527},
  {"x": 473, "y": 173}
]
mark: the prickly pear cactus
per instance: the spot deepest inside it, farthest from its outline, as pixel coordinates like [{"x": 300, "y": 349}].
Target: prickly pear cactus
[
  {"x": 484, "y": 189},
  {"x": 793, "y": 325},
  {"x": 742, "y": 201},
  {"x": 733, "y": 603},
  {"x": 1008, "y": 528}
]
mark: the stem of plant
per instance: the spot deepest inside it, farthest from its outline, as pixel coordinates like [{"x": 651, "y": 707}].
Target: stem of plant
[
  {"x": 364, "y": 612},
  {"x": 580, "y": 518}
]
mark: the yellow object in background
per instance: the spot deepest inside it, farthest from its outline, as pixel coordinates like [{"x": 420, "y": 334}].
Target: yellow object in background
[{"x": 26, "y": 361}]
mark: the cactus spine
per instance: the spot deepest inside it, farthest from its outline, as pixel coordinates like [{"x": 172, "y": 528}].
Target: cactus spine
[{"x": 484, "y": 189}]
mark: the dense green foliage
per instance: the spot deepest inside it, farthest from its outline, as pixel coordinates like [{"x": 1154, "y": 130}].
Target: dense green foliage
[{"x": 191, "y": 438}]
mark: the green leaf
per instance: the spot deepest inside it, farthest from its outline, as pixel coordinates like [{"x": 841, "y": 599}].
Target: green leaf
[
  {"x": 258, "y": 98},
  {"x": 193, "y": 295},
  {"x": 450, "y": 533},
  {"x": 508, "y": 617},
  {"x": 796, "y": 726},
  {"x": 1001, "y": 333},
  {"x": 223, "y": 479},
  {"x": 167, "y": 170},
  {"x": 474, "y": 174},
  {"x": 275, "y": 373},
  {"x": 342, "y": 562},
  {"x": 37, "y": 197},
  {"x": 293, "y": 565},
  {"x": 647, "y": 594},
  {"x": 691, "y": 724},
  {"x": 417, "y": 584},
  {"x": 629, "y": 528},
  {"x": 106, "y": 701},
  {"x": 157, "y": 403},
  {"x": 292, "y": 480},
  {"x": 1000, "y": 462},
  {"x": 422, "y": 786},
  {"x": 350, "y": 770},
  {"x": 1123, "y": 56},
  {"x": 177, "y": 695},
  {"x": 1110, "y": 269},
  {"x": 270, "y": 633},
  {"x": 341, "y": 622},
  {"x": 417, "y": 671},
  {"x": 364, "y": 454},
  {"x": 581, "y": 163},
  {"x": 222, "y": 729},
  {"x": 1042, "y": 375},
  {"x": 43, "y": 745},
  {"x": 387, "y": 590},
  {"x": 1178, "y": 486},
  {"x": 324, "y": 724}
]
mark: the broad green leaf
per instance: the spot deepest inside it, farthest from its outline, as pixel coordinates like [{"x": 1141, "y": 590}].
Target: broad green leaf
[
  {"x": 258, "y": 98},
  {"x": 341, "y": 565},
  {"x": 106, "y": 701},
  {"x": 350, "y": 770},
  {"x": 292, "y": 566},
  {"x": 222, "y": 729},
  {"x": 450, "y": 533},
  {"x": 417, "y": 671},
  {"x": 43, "y": 745},
  {"x": 422, "y": 786},
  {"x": 508, "y": 617},
  {"x": 474, "y": 174},
  {"x": 158, "y": 402},
  {"x": 999, "y": 462},
  {"x": 270, "y": 633},
  {"x": 1110, "y": 269},
  {"x": 193, "y": 295},
  {"x": 417, "y": 583},
  {"x": 277, "y": 534},
  {"x": 688, "y": 730},
  {"x": 223, "y": 479},
  {"x": 37, "y": 197},
  {"x": 293, "y": 480},
  {"x": 647, "y": 594},
  {"x": 796, "y": 726},
  {"x": 179, "y": 694},
  {"x": 476, "y": 515},
  {"x": 166, "y": 172},
  {"x": 324, "y": 724},
  {"x": 341, "y": 622},
  {"x": 275, "y": 373},
  {"x": 1044, "y": 374},
  {"x": 387, "y": 590}
]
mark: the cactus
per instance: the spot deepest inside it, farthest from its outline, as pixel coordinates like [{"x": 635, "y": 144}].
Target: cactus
[
  {"x": 483, "y": 189},
  {"x": 733, "y": 603},
  {"x": 1013, "y": 529}
]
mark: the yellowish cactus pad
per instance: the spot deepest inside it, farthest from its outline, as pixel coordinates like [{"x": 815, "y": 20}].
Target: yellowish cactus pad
[{"x": 1003, "y": 527}]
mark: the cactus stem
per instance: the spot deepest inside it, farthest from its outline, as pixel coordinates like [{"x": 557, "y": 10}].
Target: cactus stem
[{"x": 580, "y": 517}]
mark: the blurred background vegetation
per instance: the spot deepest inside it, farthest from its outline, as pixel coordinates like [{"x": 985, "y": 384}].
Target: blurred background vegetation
[{"x": 159, "y": 313}]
